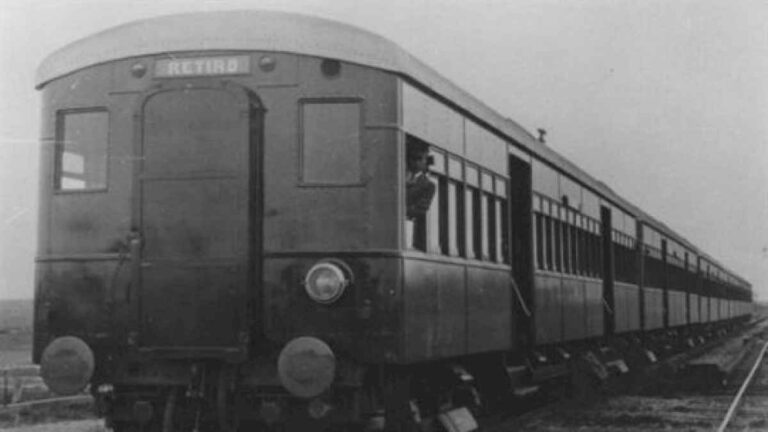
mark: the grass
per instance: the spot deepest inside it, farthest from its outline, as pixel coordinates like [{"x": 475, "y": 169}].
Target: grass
[
  {"x": 15, "y": 332},
  {"x": 16, "y": 350}
]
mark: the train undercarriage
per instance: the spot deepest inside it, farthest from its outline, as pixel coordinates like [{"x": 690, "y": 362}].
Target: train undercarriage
[
  {"x": 175, "y": 395},
  {"x": 214, "y": 396}
]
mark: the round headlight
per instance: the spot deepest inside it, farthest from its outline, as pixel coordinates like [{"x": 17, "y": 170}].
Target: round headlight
[
  {"x": 325, "y": 282},
  {"x": 306, "y": 367},
  {"x": 67, "y": 365}
]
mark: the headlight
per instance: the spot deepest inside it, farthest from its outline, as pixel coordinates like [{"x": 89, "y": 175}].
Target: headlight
[
  {"x": 325, "y": 281},
  {"x": 306, "y": 367},
  {"x": 67, "y": 365}
]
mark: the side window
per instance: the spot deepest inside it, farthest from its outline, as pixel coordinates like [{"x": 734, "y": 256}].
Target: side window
[
  {"x": 566, "y": 242},
  {"x": 502, "y": 221},
  {"x": 574, "y": 242},
  {"x": 557, "y": 245},
  {"x": 472, "y": 212},
  {"x": 455, "y": 194},
  {"x": 597, "y": 247},
  {"x": 330, "y": 142},
  {"x": 437, "y": 215},
  {"x": 81, "y": 150},
  {"x": 540, "y": 239},
  {"x": 549, "y": 234},
  {"x": 488, "y": 215}
]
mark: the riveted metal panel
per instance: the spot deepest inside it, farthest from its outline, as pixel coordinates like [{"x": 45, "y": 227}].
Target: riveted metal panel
[
  {"x": 489, "y": 310},
  {"x": 431, "y": 120},
  {"x": 574, "y": 309},
  {"x": 593, "y": 291},
  {"x": 365, "y": 212},
  {"x": 653, "y": 299},
  {"x": 693, "y": 303},
  {"x": 627, "y": 307},
  {"x": 81, "y": 296},
  {"x": 677, "y": 308},
  {"x": 724, "y": 309},
  {"x": 714, "y": 309},
  {"x": 435, "y": 310},
  {"x": 365, "y": 322},
  {"x": 704, "y": 309},
  {"x": 549, "y": 309}
]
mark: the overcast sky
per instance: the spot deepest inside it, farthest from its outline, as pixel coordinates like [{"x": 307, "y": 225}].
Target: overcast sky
[{"x": 664, "y": 100}]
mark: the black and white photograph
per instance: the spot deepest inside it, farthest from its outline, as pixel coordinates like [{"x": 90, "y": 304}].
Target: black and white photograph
[{"x": 383, "y": 216}]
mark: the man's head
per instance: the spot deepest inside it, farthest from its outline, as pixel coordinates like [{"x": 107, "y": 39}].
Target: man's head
[
  {"x": 418, "y": 162},
  {"x": 417, "y": 157}
]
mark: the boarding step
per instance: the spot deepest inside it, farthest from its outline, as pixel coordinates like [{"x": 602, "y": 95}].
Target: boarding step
[
  {"x": 549, "y": 372},
  {"x": 617, "y": 366},
  {"x": 458, "y": 420},
  {"x": 523, "y": 392},
  {"x": 516, "y": 374},
  {"x": 613, "y": 361}
]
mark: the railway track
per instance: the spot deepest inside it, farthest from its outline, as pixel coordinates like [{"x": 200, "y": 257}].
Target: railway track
[
  {"x": 24, "y": 399},
  {"x": 668, "y": 405},
  {"x": 749, "y": 408},
  {"x": 663, "y": 409}
]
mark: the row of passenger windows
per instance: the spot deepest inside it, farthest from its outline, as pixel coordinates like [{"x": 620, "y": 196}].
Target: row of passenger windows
[
  {"x": 468, "y": 216},
  {"x": 566, "y": 241},
  {"x": 571, "y": 243},
  {"x": 681, "y": 279}
]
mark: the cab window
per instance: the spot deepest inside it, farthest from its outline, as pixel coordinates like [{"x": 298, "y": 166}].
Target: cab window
[
  {"x": 81, "y": 150},
  {"x": 330, "y": 144}
]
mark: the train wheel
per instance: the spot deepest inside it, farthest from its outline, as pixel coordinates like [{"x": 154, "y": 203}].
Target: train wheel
[{"x": 226, "y": 400}]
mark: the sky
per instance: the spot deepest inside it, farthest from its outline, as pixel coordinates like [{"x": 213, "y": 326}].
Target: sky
[{"x": 666, "y": 101}]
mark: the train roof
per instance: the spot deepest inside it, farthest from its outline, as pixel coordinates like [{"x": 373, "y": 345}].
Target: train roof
[{"x": 250, "y": 30}]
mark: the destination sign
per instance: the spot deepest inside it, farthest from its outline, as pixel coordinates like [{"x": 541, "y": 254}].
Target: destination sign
[{"x": 202, "y": 66}]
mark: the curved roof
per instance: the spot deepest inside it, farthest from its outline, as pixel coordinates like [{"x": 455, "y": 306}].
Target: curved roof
[
  {"x": 300, "y": 34},
  {"x": 226, "y": 30}
]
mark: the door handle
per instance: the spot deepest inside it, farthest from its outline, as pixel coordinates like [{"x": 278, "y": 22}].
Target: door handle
[{"x": 129, "y": 250}]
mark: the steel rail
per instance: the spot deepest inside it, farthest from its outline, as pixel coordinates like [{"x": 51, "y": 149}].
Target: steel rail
[
  {"x": 55, "y": 400},
  {"x": 742, "y": 390}
]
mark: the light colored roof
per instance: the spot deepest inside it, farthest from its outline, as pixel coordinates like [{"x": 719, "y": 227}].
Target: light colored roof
[
  {"x": 281, "y": 32},
  {"x": 300, "y": 34}
]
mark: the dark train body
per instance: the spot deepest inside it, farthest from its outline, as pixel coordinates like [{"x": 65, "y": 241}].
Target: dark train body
[{"x": 223, "y": 224}]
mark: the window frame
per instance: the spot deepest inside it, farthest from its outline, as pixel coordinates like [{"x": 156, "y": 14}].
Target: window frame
[
  {"x": 361, "y": 102},
  {"x": 471, "y": 189},
  {"x": 58, "y": 150}
]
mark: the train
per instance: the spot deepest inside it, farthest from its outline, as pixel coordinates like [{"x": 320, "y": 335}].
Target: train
[{"x": 257, "y": 219}]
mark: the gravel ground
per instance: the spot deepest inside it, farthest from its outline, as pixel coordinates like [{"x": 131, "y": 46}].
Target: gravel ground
[
  {"x": 628, "y": 414},
  {"x": 670, "y": 407},
  {"x": 70, "y": 426}
]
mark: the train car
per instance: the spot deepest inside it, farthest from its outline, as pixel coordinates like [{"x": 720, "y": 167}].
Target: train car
[{"x": 267, "y": 219}]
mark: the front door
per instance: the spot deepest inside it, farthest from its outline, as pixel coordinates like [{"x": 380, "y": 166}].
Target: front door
[{"x": 194, "y": 210}]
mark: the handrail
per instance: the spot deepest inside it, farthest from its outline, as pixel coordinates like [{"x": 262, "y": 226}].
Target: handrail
[{"x": 521, "y": 300}]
